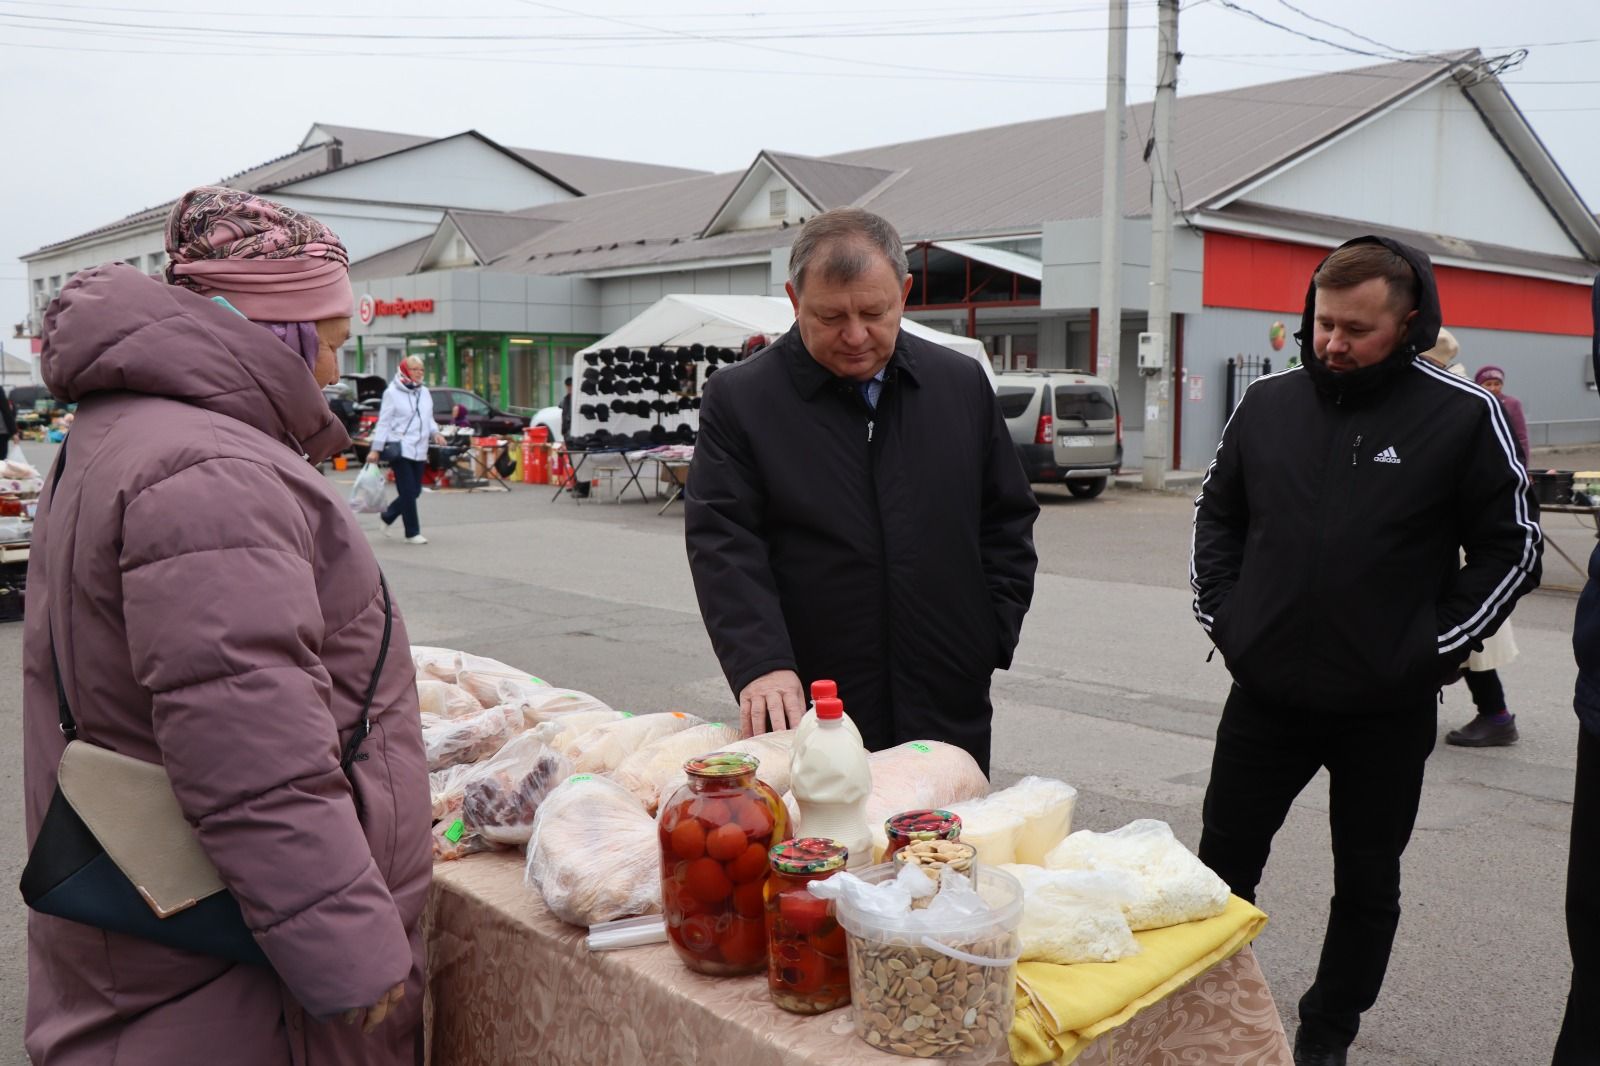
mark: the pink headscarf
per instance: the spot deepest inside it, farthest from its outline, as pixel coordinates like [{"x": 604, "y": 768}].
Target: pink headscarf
[
  {"x": 1489, "y": 373},
  {"x": 269, "y": 261}
]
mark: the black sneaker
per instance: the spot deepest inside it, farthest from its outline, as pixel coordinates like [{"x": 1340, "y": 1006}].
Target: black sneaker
[
  {"x": 1484, "y": 732},
  {"x": 1309, "y": 1051}
]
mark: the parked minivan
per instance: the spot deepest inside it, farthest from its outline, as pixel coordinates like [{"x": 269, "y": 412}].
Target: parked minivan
[{"x": 1065, "y": 425}]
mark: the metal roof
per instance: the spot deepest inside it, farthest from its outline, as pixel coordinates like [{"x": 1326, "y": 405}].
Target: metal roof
[
  {"x": 1000, "y": 180},
  {"x": 583, "y": 174},
  {"x": 401, "y": 259}
]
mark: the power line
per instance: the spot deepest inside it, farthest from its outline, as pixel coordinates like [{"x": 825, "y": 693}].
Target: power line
[
  {"x": 1344, "y": 29},
  {"x": 1231, "y": 6}
]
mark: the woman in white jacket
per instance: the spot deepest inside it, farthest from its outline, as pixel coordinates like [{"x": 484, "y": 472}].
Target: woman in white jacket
[{"x": 406, "y": 421}]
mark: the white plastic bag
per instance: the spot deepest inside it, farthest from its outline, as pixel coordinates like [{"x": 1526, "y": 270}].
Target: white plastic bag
[
  {"x": 446, "y": 788},
  {"x": 643, "y": 772},
  {"x": 1072, "y": 916},
  {"x": 366, "y": 497},
  {"x": 602, "y": 749},
  {"x": 772, "y": 751},
  {"x": 502, "y": 795},
  {"x": 541, "y": 703},
  {"x": 593, "y": 853},
  {"x": 445, "y": 700},
  {"x": 1175, "y": 886},
  {"x": 561, "y": 730},
  {"x": 990, "y": 826},
  {"x": 1045, "y": 805},
  {"x": 450, "y": 741}
]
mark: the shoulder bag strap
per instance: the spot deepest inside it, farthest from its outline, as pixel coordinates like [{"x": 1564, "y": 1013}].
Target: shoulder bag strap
[
  {"x": 352, "y": 747},
  {"x": 69, "y": 728}
]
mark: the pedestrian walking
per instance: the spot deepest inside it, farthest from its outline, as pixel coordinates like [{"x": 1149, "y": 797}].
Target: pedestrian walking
[
  {"x": 214, "y": 610},
  {"x": 1492, "y": 725},
  {"x": 1326, "y": 570},
  {"x": 856, "y": 510},
  {"x": 1494, "y": 379},
  {"x": 566, "y": 412},
  {"x": 1579, "y": 1042},
  {"x": 405, "y": 426}
]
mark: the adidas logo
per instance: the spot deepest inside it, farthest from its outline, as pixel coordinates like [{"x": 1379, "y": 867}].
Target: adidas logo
[{"x": 1386, "y": 456}]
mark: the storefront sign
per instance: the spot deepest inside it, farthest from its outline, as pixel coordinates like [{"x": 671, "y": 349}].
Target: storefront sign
[{"x": 368, "y": 309}]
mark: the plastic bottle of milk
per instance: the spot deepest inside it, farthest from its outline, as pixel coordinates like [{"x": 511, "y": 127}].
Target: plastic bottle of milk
[
  {"x": 820, "y": 690},
  {"x": 831, "y": 781}
]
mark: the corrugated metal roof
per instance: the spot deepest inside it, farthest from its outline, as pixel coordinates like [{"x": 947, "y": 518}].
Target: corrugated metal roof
[
  {"x": 1005, "y": 179},
  {"x": 491, "y": 234},
  {"x": 591, "y": 175},
  {"x": 828, "y": 184},
  {"x": 1436, "y": 245},
  {"x": 399, "y": 260},
  {"x": 357, "y": 145}
]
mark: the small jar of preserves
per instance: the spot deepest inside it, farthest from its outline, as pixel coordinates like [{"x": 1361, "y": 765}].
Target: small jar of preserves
[
  {"x": 715, "y": 832},
  {"x": 907, "y": 826},
  {"x": 809, "y": 968}
]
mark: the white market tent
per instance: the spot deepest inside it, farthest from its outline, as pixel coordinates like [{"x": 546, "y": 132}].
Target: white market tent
[{"x": 726, "y": 321}]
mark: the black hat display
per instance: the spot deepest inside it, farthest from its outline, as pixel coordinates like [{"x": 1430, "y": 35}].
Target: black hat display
[
  {"x": 602, "y": 413},
  {"x": 589, "y": 388}
]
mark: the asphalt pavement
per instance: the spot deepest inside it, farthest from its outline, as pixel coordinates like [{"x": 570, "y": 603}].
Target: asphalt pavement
[{"x": 1110, "y": 691}]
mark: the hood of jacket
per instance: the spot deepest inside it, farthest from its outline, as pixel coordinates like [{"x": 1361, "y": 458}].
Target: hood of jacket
[
  {"x": 1421, "y": 335},
  {"x": 115, "y": 329}
]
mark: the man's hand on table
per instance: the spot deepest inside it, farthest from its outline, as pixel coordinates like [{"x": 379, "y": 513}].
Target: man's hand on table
[{"x": 777, "y": 697}]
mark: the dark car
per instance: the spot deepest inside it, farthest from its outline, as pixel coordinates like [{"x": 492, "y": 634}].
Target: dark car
[
  {"x": 341, "y": 397},
  {"x": 485, "y": 419},
  {"x": 368, "y": 387}
]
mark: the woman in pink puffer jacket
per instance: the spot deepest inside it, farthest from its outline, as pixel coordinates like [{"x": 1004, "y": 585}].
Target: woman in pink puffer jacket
[{"x": 216, "y": 610}]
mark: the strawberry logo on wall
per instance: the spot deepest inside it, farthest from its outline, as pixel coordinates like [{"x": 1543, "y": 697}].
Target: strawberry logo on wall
[{"x": 1276, "y": 335}]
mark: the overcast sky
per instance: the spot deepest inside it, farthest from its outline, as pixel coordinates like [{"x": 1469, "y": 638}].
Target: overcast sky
[{"x": 109, "y": 107}]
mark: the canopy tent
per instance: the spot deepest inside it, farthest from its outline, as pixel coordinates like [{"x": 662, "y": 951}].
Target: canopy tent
[{"x": 727, "y": 321}]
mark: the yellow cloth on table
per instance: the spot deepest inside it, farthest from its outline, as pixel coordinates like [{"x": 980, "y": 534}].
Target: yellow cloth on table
[{"x": 1061, "y": 1010}]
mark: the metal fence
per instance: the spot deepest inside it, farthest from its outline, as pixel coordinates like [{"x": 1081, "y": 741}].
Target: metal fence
[{"x": 1238, "y": 373}]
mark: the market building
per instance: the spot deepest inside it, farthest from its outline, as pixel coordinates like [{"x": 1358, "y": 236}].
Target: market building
[{"x": 1003, "y": 230}]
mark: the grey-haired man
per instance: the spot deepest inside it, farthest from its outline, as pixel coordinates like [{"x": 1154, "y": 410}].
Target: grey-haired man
[{"x": 856, "y": 510}]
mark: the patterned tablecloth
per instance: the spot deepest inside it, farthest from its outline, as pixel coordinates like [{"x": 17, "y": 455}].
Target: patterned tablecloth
[{"x": 511, "y": 984}]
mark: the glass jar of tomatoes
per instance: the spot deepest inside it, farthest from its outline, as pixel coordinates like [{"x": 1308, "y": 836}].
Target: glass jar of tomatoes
[
  {"x": 715, "y": 834},
  {"x": 809, "y": 968},
  {"x": 907, "y": 826}
]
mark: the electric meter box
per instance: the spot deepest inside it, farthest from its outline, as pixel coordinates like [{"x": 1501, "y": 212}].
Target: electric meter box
[{"x": 1150, "y": 351}]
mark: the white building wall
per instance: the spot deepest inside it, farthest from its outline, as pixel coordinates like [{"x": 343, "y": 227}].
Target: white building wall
[
  {"x": 458, "y": 172},
  {"x": 757, "y": 212},
  {"x": 1430, "y": 165}
]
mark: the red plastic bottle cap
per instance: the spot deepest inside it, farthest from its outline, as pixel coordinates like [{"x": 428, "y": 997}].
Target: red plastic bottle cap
[
  {"x": 830, "y": 710},
  {"x": 821, "y": 690}
]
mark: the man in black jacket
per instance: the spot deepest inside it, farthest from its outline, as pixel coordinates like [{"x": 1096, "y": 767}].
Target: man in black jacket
[
  {"x": 1325, "y": 558},
  {"x": 1579, "y": 1043},
  {"x": 856, "y": 509}
]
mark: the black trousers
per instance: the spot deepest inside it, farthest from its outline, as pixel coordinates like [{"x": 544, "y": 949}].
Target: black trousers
[
  {"x": 1265, "y": 756},
  {"x": 1580, "y": 1032},
  {"x": 1488, "y": 695},
  {"x": 408, "y": 483}
]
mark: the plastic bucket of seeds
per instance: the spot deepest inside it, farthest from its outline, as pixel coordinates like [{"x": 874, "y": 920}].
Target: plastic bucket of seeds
[{"x": 944, "y": 990}]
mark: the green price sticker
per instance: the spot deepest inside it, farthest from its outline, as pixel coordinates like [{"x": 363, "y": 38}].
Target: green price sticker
[
  {"x": 537, "y": 680},
  {"x": 917, "y": 745},
  {"x": 453, "y": 834},
  {"x": 580, "y": 777},
  {"x": 627, "y": 714}
]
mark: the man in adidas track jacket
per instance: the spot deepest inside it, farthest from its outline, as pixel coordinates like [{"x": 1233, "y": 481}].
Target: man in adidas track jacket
[{"x": 1325, "y": 569}]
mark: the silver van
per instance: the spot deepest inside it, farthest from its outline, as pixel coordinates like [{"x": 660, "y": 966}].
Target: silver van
[{"x": 1065, "y": 425}]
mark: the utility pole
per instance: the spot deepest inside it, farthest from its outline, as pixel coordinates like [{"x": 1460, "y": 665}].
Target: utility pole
[
  {"x": 1108, "y": 348},
  {"x": 1158, "y": 378}
]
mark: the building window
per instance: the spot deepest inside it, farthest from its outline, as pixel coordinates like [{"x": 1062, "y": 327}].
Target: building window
[
  {"x": 157, "y": 261},
  {"x": 778, "y": 203},
  {"x": 55, "y": 284},
  {"x": 133, "y": 261}
]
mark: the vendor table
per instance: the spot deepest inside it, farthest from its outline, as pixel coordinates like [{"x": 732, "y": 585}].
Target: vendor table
[
  {"x": 582, "y": 456},
  {"x": 510, "y": 983}
]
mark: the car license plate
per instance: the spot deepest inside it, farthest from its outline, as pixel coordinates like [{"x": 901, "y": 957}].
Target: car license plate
[{"x": 1077, "y": 442}]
